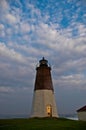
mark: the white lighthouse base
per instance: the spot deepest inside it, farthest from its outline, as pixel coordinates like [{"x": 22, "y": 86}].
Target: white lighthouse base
[{"x": 44, "y": 104}]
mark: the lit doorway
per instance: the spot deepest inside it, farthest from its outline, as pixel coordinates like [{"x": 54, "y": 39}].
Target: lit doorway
[{"x": 49, "y": 110}]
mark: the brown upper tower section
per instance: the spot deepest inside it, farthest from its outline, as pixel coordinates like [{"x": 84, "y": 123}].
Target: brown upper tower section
[{"x": 43, "y": 76}]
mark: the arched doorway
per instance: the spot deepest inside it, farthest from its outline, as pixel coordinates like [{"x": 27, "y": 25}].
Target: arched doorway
[{"x": 49, "y": 110}]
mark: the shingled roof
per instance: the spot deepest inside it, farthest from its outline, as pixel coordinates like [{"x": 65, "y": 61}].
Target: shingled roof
[{"x": 82, "y": 109}]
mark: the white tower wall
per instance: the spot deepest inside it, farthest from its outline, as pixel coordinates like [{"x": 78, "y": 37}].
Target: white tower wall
[{"x": 42, "y": 100}]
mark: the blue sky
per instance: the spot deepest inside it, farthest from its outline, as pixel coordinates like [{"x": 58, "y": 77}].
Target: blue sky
[{"x": 31, "y": 29}]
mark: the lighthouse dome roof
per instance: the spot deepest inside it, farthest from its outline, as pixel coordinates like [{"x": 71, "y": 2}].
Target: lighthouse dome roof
[{"x": 43, "y": 62}]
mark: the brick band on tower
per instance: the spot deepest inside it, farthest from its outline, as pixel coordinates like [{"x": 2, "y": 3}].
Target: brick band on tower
[{"x": 43, "y": 76}]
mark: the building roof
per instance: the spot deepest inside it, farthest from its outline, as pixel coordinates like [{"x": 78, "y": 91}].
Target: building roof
[{"x": 82, "y": 109}]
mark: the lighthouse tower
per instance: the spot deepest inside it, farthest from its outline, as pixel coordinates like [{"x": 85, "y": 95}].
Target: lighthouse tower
[{"x": 44, "y": 104}]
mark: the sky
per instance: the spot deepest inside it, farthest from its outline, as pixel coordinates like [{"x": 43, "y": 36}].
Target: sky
[{"x": 30, "y": 30}]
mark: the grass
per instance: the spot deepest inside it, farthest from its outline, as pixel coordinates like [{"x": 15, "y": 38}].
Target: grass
[{"x": 42, "y": 124}]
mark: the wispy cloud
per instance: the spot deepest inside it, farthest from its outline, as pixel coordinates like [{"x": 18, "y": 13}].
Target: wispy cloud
[
  {"x": 73, "y": 81},
  {"x": 6, "y": 52},
  {"x": 6, "y": 89}
]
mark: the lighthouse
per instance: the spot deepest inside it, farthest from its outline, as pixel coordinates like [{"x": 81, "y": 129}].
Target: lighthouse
[{"x": 43, "y": 104}]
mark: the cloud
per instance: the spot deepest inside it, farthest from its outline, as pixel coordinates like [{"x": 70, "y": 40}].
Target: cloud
[
  {"x": 71, "y": 81},
  {"x": 25, "y": 27},
  {"x": 59, "y": 40},
  {"x": 4, "y": 5},
  {"x": 8, "y": 14},
  {"x": 1, "y": 26},
  {"x": 11, "y": 18},
  {"x": 34, "y": 11},
  {"x": 81, "y": 30},
  {"x": 15, "y": 68},
  {"x": 2, "y": 30},
  {"x": 61, "y": 48},
  {"x": 16, "y": 75},
  {"x": 33, "y": 34},
  {"x": 4, "y": 89},
  {"x": 11, "y": 53}
]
